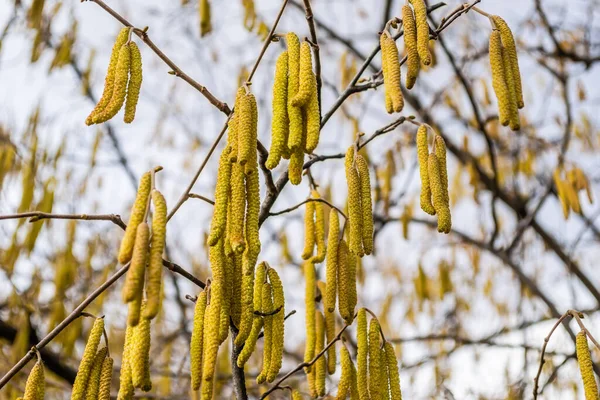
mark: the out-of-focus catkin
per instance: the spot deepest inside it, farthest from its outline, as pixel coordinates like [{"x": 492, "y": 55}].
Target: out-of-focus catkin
[
  {"x": 35, "y": 385},
  {"x": 155, "y": 267},
  {"x": 205, "y": 20},
  {"x": 197, "y": 340},
  {"x": 422, "y": 31},
  {"x": 499, "y": 77},
  {"x": 410, "y": 44},
  {"x": 354, "y": 204},
  {"x": 277, "y": 329},
  {"x": 310, "y": 309},
  {"x": 423, "y": 156},
  {"x": 362, "y": 355},
  {"x": 138, "y": 212},
  {"x": 332, "y": 261},
  {"x": 87, "y": 361},
  {"x": 393, "y": 375},
  {"x": 320, "y": 364},
  {"x": 366, "y": 204},
  {"x": 510, "y": 49},
  {"x": 280, "y": 125},
  {"x": 309, "y": 230},
  {"x": 135, "y": 83},
  {"x": 120, "y": 87},
  {"x": 134, "y": 282},
  {"x": 437, "y": 194},
  {"x": 391, "y": 71},
  {"x": 585, "y": 367}
]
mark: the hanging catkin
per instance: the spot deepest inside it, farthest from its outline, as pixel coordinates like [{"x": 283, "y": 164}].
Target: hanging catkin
[
  {"x": 437, "y": 195},
  {"x": 110, "y": 76},
  {"x": 281, "y": 123},
  {"x": 354, "y": 204},
  {"x": 252, "y": 217},
  {"x": 332, "y": 261},
  {"x": 309, "y": 230},
  {"x": 345, "y": 384},
  {"x": 306, "y": 77},
  {"x": 159, "y": 234},
  {"x": 36, "y": 384},
  {"x": 87, "y": 361},
  {"x": 362, "y": 354},
  {"x": 410, "y": 44},
  {"x": 93, "y": 385},
  {"x": 295, "y": 113},
  {"x": 137, "y": 216},
  {"x": 106, "y": 379},
  {"x": 352, "y": 263},
  {"x": 251, "y": 301},
  {"x": 236, "y": 300},
  {"x": 342, "y": 279},
  {"x": 134, "y": 282},
  {"x": 393, "y": 376},
  {"x": 277, "y": 329},
  {"x": 320, "y": 364},
  {"x": 319, "y": 229},
  {"x": 440, "y": 152},
  {"x": 222, "y": 192},
  {"x": 120, "y": 87},
  {"x": 510, "y": 52},
  {"x": 140, "y": 355},
  {"x": 267, "y": 308},
  {"x": 499, "y": 78},
  {"x": 232, "y": 136},
  {"x": 422, "y": 31},
  {"x": 310, "y": 309},
  {"x": 296, "y": 165},
  {"x": 135, "y": 83},
  {"x": 366, "y": 203},
  {"x": 238, "y": 208},
  {"x": 197, "y": 340},
  {"x": 125, "y": 383},
  {"x": 245, "y": 128},
  {"x": 204, "y": 13},
  {"x": 256, "y": 321},
  {"x": 211, "y": 341},
  {"x": 375, "y": 362},
  {"x": 423, "y": 156},
  {"x": 586, "y": 367},
  {"x": 330, "y": 335},
  {"x": 391, "y": 71},
  {"x": 312, "y": 120}
]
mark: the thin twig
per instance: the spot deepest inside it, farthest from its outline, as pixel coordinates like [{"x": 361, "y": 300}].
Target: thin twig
[
  {"x": 38, "y": 216},
  {"x": 320, "y": 200},
  {"x": 310, "y": 19}
]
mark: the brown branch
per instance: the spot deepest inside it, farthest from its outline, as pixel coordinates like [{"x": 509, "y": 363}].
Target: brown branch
[
  {"x": 319, "y": 200},
  {"x": 38, "y": 215},
  {"x": 310, "y": 19},
  {"x": 197, "y": 196}
]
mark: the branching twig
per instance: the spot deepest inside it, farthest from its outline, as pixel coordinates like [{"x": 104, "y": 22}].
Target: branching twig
[{"x": 320, "y": 200}]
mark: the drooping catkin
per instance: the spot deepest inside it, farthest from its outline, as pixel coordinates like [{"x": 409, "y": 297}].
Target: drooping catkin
[
  {"x": 307, "y": 79},
  {"x": 205, "y": 22},
  {"x": 119, "y": 89},
  {"x": 278, "y": 321},
  {"x": 585, "y": 367},
  {"x": 236, "y": 300},
  {"x": 351, "y": 276},
  {"x": 312, "y": 121},
  {"x": 375, "y": 362},
  {"x": 422, "y": 31},
  {"x": 332, "y": 261},
  {"x": 134, "y": 282},
  {"x": 238, "y": 208},
  {"x": 106, "y": 379},
  {"x": 362, "y": 355},
  {"x": 310, "y": 309},
  {"x": 134, "y": 310},
  {"x": 320, "y": 364},
  {"x": 155, "y": 267},
  {"x": 309, "y": 230},
  {"x": 220, "y": 285},
  {"x": 257, "y": 321},
  {"x": 295, "y": 113},
  {"x": 514, "y": 121},
  {"x": 232, "y": 125},
  {"x": 245, "y": 128},
  {"x": 393, "y": 375},
  {"x": 36, "y": 384},
  {"x": 423, "y": 155},
  {"x": 135, "y": 83},
  {"x": 296, "y": 395},
  {"x": 344, "y": 386},
  {"x": 87, "y": 361},
  {"x": 281, "y": 123},
  {"x": 93, "y": 385},
  {"x": 440, "y": 152},
  {"x": 140, "y": 355},
  {"x": 354, "y": 204},
  {"x": 267, "y": 308},
  {"x": 319, "y": 230},
  {"x": 125, "y": 383},
  {"x": 222, "y": 192},
  {"x": 138, "y": 211},
  {"x": 197, "y": 341},
  {"x": 330, "y": 335},
  {"x": 437, "y": 194},
  {"x": 499, "y": 77},
  {"x": 342, "y": 279},
  {"x": 251, "y": 301},
  {"x": 510, "y": 52},
  {"x": 366, "y": 204},
  {"x": 295, "y": 166},
  {"x": 109, "y": 80},
  {"x": 391, "y": 71},
  {"x": 211, "y": 341},
  {"x": 252, "y": 216},
  {"x": 410, "y": 44}
]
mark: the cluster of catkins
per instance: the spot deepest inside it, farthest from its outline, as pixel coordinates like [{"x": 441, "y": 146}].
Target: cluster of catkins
[
  {"x": 434, "y": 178},
  {"x": 506, "y": 78},
  {"x": 296, "y": 117},
  {"x": 94, "y": 374},
  {"x": 123, "y": 80},
  {"x": 569, "y": 187},
  {"x": 360, "y": 209},
  {"x": 35, "y": 388},
  {"x": 585, "y": 366}
]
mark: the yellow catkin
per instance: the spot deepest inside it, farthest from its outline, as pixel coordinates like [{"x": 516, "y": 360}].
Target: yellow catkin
[
  {"x": 375, "y": 362},
  {"x": 296, "y": 395},
  {"x": 245, "y": 127},
  {"x": 354, "y": 204},
  {"x": 351, "y": 277},
  {"x": 238, "y": 208},
  {"x": 330, "y": 335},
  {"x": 137, "y": 216},
  {"x": 134, "y": 282},
  {"x": 393, "y": 375},
  {"x": 232, "y": 136},
  {"x": 87, "y": 361},
  {"x": 561, "y": 193},
  {"x": 310, "y": 309},
  {"x": 219, "y": 288},
  {"x": 499, "y": 77},
  {"x": 35, "y": 386},
  {"x": 277, "y": 334},
  {"x": 312, "y": 121},
  {"x": 295, "y": 166},
  {"x": 332, "y": 261},
  {"x": 319, "y": 230},
  {"x": 134, "y": 310},
  {"x": 257, "y": 321},
  {"x": 110, "y": 76},
  {"x": 513, "y": 111},
  {"x": 251, "y": 301},
  {"x": 422, "y": 31},
  {"x": 252, "y": 215},
  {"x": 391, "y": 71},
  {"x": 306, "y": 79},
  {"x": 389, "y": 106},
  {"x": 342, "y": 279},
  {"x": 267, "y": 308},
  {"x": 585, "y": 367},
  {"x": 320, "y": 364},
  {"x": 236, "y": 300},
  {"x": 140, "y": 356},
  {"x": 280, "y": 124},
  {"x": 423, "y": 155},
  {"x": 119, "y": 89},
  {"x": 93, "y": 385},
  {"x": 510, "y": 49},
  {"x": 211, "y": 341},
  {"x": 105, "y": 379},
  {"x": 309, "y": 230},
  {"x": 410, "y": 44},
  {"x": 252, "y": 165},
  {"x": 197, "y": 340},
  {"x": 135, "y": 83},
  {"x": 440, "y": 152},
  {"x": 362, "y": 354},
  {"x": 155, "y": 267},
  {"x": 222, "y": 192},
  {"x": 345, "y": 384},
  {"x": 366, "y": 204},
  {"x": 205, "y": 23},
  {"x": 437, "y": 194},
  {"x": 295, "y": 113},
  {"x": 125, "y": 383}
]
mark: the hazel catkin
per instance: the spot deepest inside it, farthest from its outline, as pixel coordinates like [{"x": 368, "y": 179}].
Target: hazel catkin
[
  {"x": 312, "y": 121},
  {"x": 499, "y": 77},
  {"x": 330, "y": 335},
  {"x": 257, "y": 322},
  {"x": 197, "y": 340},
  {"x": 320, "y": 366},
  {"x": 440, "y": 153},
  {"x": 155, "y": 266},
  {"x": 126, "y": 388},
  {"x": 393, "y": 377},
  {"x": 586, "y": 367},
  {"x": 437, "y": 193},
  {"x": 306, "y": 77},
  {"x": 277, "y": 329},
  {"x": 251, "y": 301},
  {"x": 232, "y": 126},
  {"x": 391, "y": 71},
  {"x": 310, "y": 309},
  {"x": 204, "y": 13},
  {"x": 246, "y": 128},
  {"x": 309, "y": 230},
  {"x": 332, "y": 261},
  {"x": 375, "y": 362},
  {"x": 295, "y": 113},
  {"x": 120, "y": 87},
  {"x": 410, "y": 44},
  {"x": 140, "y": 355},
  {"x": 93, "y": 385},
  {"x": 510, "y": 52},
  {"x": 138, "y": 211},
  {"x": 362, "y": 354},
  {"x": 267, "y": 308},
  {"x": 366, "y": 204},
  {"x": 211, "y": 341},
  {"x": 222, "y": 192},
  {"x": 354, "y": 204},
  {"x": 422, "y": 31},
  {"x": 134, "y": 282},
  {"x": 423, "y": 156},
  {"x": 280, "y": 125},
  {"x": 85, "y": 367},
  {"x": 344, "y": 386},
  {"x": 35, "y": 385},
  {"x": 135, "y": 83},
  {"x": 238, "y": 208},
  {"x": 252, "y": 216},
  {"x": 105, "y": 379}
]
